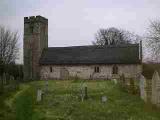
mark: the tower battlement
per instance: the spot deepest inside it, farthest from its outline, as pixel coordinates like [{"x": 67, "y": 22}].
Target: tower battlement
[{"x": 35, "y": 19}]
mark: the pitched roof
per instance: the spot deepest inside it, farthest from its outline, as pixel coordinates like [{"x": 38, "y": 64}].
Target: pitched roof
[{"x": 120, "y": 54}]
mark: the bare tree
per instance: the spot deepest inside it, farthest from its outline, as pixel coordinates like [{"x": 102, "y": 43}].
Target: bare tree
[
  {"x": 114, "y": 36},
  {"x": 153, "y": 40},
  {"x": 8, "y": 52},
  {"x": 8, "y": 45}
]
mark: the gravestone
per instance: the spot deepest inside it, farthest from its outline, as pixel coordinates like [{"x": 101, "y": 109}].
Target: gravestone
[
  {"x": 155, "y": 98},
  {"x": 39, "y": 95},
  {"x": 84, "y": 94},
  {"x": 122, "y": 80},
  {"x": 115, "y": 81},
  {"x": 142, "y": 86},
  {"x": 46, "y": 85},
  {"x": 104, "y": 99}
]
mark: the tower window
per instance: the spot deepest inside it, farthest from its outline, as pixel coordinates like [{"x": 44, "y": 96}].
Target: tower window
[
  {"x": 51, "y": 69},
  {"x": 115, "y": 70},
  {"x": 96, "y": 69}
]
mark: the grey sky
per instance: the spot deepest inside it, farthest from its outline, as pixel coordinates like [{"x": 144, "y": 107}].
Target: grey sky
[{"x": 74, "y": 22}]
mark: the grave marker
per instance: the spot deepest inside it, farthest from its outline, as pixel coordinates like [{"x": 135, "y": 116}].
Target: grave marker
[
  {"x": 155, "y": 98},
  {"x": 104, "y": 99},
  {"x": 84, "y": 92},
  {"x": 46, "y": 85},
  {"x": 39, "y": 95},
  {"x": 115, "y": 81},
  {"x": 143, "y": 85}
]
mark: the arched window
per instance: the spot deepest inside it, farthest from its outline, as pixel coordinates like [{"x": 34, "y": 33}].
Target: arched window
[
  {"x": 96, "y": 69},
  {"x": 115, "y": 70},
  {"x": 51, "y": 69}
]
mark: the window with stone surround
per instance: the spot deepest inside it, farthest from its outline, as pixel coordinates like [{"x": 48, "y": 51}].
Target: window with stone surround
[
  {"x": 96, "y": 69},
  {"x": 115, "y": 70},
  {"x": 51, "y": 69}
]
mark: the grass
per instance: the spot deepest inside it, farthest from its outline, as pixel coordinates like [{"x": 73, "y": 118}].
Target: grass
[
  {"x": 6, "y": 112},
  {"x": 62, "y": 102},
  {"x": 24, "y": 104}
]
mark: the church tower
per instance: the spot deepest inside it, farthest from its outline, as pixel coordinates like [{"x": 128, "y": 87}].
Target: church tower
[{"x": 35, "y": 40}]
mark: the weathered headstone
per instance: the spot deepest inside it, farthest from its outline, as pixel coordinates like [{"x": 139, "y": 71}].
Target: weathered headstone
[
  {"x": 155, "y": 98},
  {"x": 132, "y": 86},
  {"x": 142, "y": 86},
  {"x": 46, "y": 85},
  {"x": 104, "y": 99},
  {"x": 84, "y": 94},
  {"x": 39, "y": 95},
  {"x": 122, "y": 80},
  {"x": 115, "y": 81}
]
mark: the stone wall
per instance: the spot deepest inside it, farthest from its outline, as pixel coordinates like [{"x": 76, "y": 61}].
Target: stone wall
[
  {"x": 35, "y": 40},
  {"x": 87, "y": 71}
]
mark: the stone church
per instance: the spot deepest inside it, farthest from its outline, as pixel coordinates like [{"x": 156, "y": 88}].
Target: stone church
[{"x": 85, "y": 62}]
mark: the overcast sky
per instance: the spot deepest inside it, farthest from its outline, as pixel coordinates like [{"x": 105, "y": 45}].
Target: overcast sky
[{"x": 74, "y": 22}]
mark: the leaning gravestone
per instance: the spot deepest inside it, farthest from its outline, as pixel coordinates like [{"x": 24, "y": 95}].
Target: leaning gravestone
[
  {"x": 39, "y": 95},
  {"x": 84, "y": 92},
  {"x": 104, "y": 99},
  {"x": 82, "y": 95},
  {"x": 155, "y": 98},
  {"x": 143, "y": 85}
]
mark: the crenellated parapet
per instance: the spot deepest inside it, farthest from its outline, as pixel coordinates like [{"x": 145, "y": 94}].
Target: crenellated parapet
[{"x": 35, "y": 19}]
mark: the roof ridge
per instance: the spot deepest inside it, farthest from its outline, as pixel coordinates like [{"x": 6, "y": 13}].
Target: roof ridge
[{"x": 104, "y": 46}]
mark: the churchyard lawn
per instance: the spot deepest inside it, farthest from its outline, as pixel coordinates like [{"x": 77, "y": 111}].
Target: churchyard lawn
[{"x": 62, "y": 100}]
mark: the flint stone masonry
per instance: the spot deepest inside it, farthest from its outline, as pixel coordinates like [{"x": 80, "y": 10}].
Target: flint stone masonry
[
  {"x": 87, "y": 71},
  {"x": 35, "y": 40}
]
